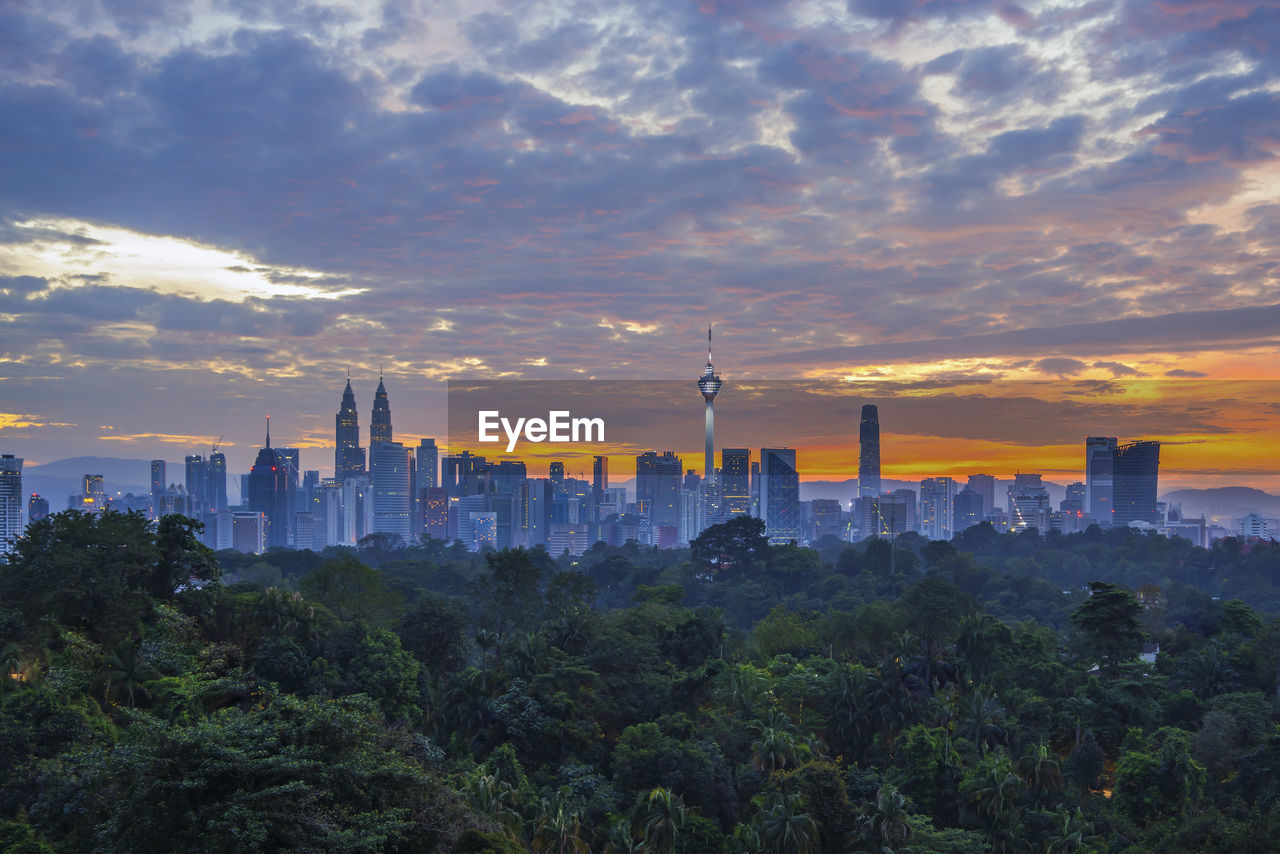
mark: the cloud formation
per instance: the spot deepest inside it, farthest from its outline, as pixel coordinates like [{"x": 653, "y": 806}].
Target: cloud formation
[{"x": 542, "y": 190}]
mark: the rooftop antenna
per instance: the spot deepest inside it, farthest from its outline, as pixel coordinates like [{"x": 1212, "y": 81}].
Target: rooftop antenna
[{"x": 268, "y": 431}]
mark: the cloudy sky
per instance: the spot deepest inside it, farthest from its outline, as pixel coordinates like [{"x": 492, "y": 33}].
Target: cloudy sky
[{"x": 209, "y": 209}]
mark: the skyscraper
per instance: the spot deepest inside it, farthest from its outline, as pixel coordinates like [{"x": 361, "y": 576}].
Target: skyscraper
[
  {"x": 735, "y": 475},
  {"x": 869, "y": 452},
  {"x": 1028, "y": 503},
  {"x": 780, "y": 494},
  {"x": 348, "y": 456},
  {"x": 428, "y": 464},
  {"x": 37, "y": 508},
  {"x": 1099, "y": 469},
  {"x": 1136, "y": 473},
  {"x": 10, "y": 501},
  {"x": 216, "y": 480},
  {"x": 158, "y": 485},
  {"x": 599, "y": 481},
  {"x": 380, "y": 423},
  {"x": 967, "y": 509},
  {"x": 709, "y": 385},
  {"x": 937, "y": 496},
  {"x": 389, "y": 483},
  {"x": 196, "y": 482},
  {"x": 985, "y": 486},
  {"x": 269, "y": 493}
]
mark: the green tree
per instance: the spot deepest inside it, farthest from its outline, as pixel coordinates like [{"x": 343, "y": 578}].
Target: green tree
[
  {"x": 507, "y": 595},
  {"x": 732, "y": 549},
  {"x": 1109, "y": 620},
  {"x": 92, "y": 572},
  {"x": 350, "y": 589},
  {"x": 885, "y": 827},
  {"x": 786, "y": 828},
  {"x": 660, "y": 814}
]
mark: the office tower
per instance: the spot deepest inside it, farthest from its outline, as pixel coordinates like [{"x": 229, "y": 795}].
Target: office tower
[
  {"x": 556, "y": 474},
  {"x": 735, "y": 477},
  {"x": 380, "y": 423},
  {"x": 780, "y": 494},
  {"x": 755, "y": 488},
  {"x": 869, "y": 452},
  {"x": 348, "y": 456},
  {"x": 464, "y": 474},
  {"x": 1136, "y": 471},
  {"x": 249, "y": 532},
  {"x": 158, "y": 484},
  {"x": 269, "y": 494},
  {"x": 646, "y": 484},
  {"x": 216, "y": 480},
  {"x": 10, "y": 501},
  {"x": 709, "y": 385},
  {"x": 828, "y": 521},
  {"x": 887, "y": 515},
  {"x": 1075, "y": 497},
  {"x": 389, "y": 483},
  {"x": 357, "y": 510},
  {"x": 599, "y": 479},
  {"x": 967, "y": 509},
  {"x": 1099, "y": 468},
  {"x": 428, "y": 464},
  {"x": 305, "y": 532},
  {"x": 196, "y": 482},
  {"x": 37, "y": 508},
  {"x": 92, "y": 497},
  {"x": 435, "y": 512},
  {"x": 985, "y": 486},
  {"x": 1028, "y": 503},
  {"x": 1254, "y": 527},
  {"x": 291, "y": 460},
  {"x": 936, "y": 497}
]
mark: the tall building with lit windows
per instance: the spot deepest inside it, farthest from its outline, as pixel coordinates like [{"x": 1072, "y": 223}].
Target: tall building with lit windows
[
  {"x": 380, "y": 423},
  {"x": 10, "y": 501},
  {"x": 1099, "y": 473},
  {"x": 1135, "y": 476},
  {"x": 269, "y": 494},
  {"x": 348, "y": 456},
  {"x": 869, "y": 452},
  {"x": 735, "y": 477}
]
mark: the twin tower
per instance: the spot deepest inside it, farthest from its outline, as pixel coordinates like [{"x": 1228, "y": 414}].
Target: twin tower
[{"x": 348, "y": 454}]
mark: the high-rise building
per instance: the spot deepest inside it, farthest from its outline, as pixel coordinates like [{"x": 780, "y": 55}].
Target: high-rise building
[
  {"x": 197, "y": 482},
  {"x": 658, "y": 489},
  {"x": 348, "y": 456},
  {"x": 709, "y": 384},
  {"x": 1028, "y": 503},
  {"x": 780, "y": 494},
  {"x": 555, "y": 473},
  {"x": 1099, "y": 472},
  {"x": 985, "y": 486},
  {"x": 92, "y": 497},
  {"x": 158, "y": 484},
  {"x": 888, "y": 515},
  {"x": 434, "y": 506},
  {"x": 216, "y": 480},
  {"x": 389, "y": 482},
  {"x": 269, "y": 495},
  {"x": 1254, "y": 527},
  {"x": 735, "y": 476},
  {"x": 828, "y": 520},
  {"x": 37, "y": 508},
  {"x": 10, "y": 501},
  {"x": 937, "y": 495},
  {"x": 428, "y": 464},
  {"x": 599, "y": 479},
  {"x": 967, "y": 510},
  {"x": 380, "y": 423},
  {"x": 869, "y": 452},
  {"x": 1136, "y": 472}
]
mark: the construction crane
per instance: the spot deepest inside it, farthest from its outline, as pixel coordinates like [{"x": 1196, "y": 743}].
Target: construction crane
[{"x": 216, "y": 444}]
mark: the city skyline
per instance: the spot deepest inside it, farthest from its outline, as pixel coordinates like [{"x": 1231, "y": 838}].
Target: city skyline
[{"x": 918, "y": 193}]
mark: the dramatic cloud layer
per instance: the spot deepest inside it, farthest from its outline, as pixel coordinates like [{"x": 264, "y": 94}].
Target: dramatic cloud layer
[{"x": 209, "y": 209}]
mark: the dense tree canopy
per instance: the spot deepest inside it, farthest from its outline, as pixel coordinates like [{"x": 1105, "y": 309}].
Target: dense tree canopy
[{"x": 979, "y": 695}]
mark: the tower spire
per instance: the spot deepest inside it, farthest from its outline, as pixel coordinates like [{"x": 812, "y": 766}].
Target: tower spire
[
  {"x": 708, "y": 343},
  {"x": 268, "y": 431}
]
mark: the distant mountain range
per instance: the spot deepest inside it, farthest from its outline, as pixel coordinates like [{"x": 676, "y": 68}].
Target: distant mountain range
[{"x": 1230, "y": 501}]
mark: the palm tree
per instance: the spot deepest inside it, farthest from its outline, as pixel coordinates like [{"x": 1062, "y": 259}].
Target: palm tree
[
  {"x": 661, "y": 815},
  {"x": 785, "y": 828},
  {"x": 126, "y": 674},
  {"x": 980, "y": 723},
  {"x": 1040, "y": 769},
  {"x": 773, "y": 749},
  {"x": 886, "y": 826},
  {"x": 559, "y": 830},
  {"x": 1207, "y": 672},
  {"x": 1070, "y": 833}
]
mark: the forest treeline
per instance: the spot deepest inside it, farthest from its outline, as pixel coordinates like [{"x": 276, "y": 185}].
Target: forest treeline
[{"x": 1001, "y": 692}]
